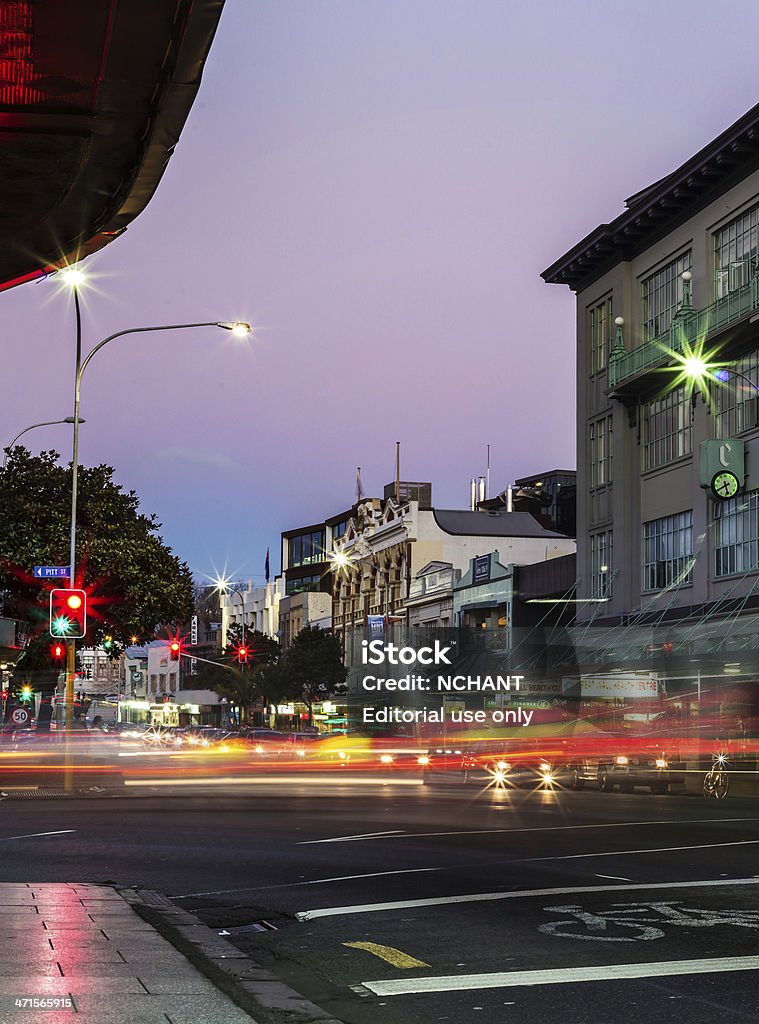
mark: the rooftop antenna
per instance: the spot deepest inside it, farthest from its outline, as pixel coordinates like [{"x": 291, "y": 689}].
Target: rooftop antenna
[{"x": 487, "y": 477}]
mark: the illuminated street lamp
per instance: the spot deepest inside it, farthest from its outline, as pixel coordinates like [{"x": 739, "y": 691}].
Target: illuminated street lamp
[
  {"x": 224, "y": 586},
  {"x": 47, "y": 423}
]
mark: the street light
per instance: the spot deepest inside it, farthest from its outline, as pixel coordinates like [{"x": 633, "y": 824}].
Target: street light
[
  {"x": 47, "y": 423},
  {"x": 225, "y": 587},
  {"x": 239, "y": 328}
]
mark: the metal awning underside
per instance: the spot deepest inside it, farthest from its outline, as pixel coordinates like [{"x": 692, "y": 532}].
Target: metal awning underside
[{"x": 93, "y": 97}]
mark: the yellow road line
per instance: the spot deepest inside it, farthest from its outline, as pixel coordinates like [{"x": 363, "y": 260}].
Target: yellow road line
[{"x": 391, "y": 956}]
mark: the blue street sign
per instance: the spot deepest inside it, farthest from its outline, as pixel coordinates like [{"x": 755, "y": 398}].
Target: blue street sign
[{"x": 49, "y": 572}]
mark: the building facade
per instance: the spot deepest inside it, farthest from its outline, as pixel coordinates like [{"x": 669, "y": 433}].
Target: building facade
[
  {"x": 672, "y": 278},
  {"x": 387, "y": 545}
]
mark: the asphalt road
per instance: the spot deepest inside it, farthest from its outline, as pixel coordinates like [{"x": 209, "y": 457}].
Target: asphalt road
[{"x": 388, "y": 901}]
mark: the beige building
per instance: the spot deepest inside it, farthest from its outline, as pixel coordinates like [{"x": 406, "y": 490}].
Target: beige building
[
  {"x": 308, "y": 608},
  {"x": 387, "y": 544}
]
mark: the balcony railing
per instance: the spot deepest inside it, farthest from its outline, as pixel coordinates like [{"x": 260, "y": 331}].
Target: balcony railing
[{"x": 686, "y": 330}]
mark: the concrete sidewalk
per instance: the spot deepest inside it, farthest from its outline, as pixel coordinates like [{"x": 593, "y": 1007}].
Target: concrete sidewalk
[{"x": 86, "y": 947}]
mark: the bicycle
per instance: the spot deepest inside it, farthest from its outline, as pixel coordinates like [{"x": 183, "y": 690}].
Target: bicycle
[{"x": 717, "y": 780}]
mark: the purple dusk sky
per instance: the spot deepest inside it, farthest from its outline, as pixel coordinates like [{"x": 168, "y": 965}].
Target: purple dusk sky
[{"x": 376, "y": 185}]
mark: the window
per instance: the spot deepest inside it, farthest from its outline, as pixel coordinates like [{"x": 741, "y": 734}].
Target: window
[
  {"x": 735, "y": 404},
  {"x": 601, "y": 551},
  {"x": 305, "y": 549},
  {"x": 667, "y": 431},
  {"x": 668, "y": 551},
  {"x": 339, "y": 529},
  {"x": 662, "y": 296},
  {"x": 300, "y": 585},
  {"x": 735, "y": 253},
  {"x": 601, "y": 452},
  {"x": 599, "y": 329},
  {"x": 736, "y": 535}
]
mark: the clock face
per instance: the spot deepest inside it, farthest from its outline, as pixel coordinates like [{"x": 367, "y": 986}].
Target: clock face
[{"x": 725, "y": 485}]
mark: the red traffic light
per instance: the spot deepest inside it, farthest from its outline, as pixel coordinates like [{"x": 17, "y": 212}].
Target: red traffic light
[
  {"x": 68, "y": 613},
  {"x": 58, "y": 651},
  {"x": 175, "y": 649},
  {"x": 242, "y": 654}
]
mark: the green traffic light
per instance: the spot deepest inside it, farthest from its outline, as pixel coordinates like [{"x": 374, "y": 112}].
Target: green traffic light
[{"x": 61, "y": 626}]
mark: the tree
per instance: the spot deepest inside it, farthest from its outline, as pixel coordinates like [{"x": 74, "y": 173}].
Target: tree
[
  {"x": 314, "y": 665},
  {"x": 134, "y": 581},
  {"x": 243, "y": 685},
  {"x": 262, "y": 649}
]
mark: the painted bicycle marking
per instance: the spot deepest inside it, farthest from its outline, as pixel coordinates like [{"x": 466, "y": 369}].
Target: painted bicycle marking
[{"x": 644, "y": 920}]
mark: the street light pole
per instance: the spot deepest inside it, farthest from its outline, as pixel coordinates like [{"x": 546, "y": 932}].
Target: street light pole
[
  {"x": 47, "y": 423},
  {"x": 238, "y": 328}
]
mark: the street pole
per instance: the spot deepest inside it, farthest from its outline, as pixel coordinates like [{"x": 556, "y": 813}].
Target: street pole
[
  {"x": 68, "y": 760},
  {"x": 238, "y": 329}
]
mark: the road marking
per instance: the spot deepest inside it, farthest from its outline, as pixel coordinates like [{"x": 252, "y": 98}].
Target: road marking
[
  {"x": 313, "y": 881},
  {"x": 483, "y": 897},
  {"x": 347, "y": 839},
  {"x": 36, "y": 835},
  {"x": 389, "y": 954},
  {"x": 656, "y": 849},
  {"x": 616, "y": 878},
  {"x": 562, "y": 976},
  {"x": 513, "y": 831}
]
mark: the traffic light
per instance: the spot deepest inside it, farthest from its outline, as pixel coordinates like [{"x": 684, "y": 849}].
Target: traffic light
[
  {"x": 242, "y": 654},
  {"x": 175, "y": 649},
  {"x": 68, "y": 613},
  {"x": 26, "y": 692},
  {"x": 58, "y": 651}
]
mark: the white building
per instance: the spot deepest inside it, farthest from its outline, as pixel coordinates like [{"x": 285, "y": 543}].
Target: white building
[{"x": 258, "y": 606}]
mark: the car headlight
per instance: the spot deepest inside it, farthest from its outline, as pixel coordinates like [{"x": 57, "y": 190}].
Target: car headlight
[
  {"x": 259, "y": 749},
  {"x": 660, "y": 762},
  {"x": 386, "y": 759},
  {"x": 503, "y": 766},
  {"x": 423, "y": 759},
  {"x": 300, "y": 753},
  {"x": 621, "y": 760}
]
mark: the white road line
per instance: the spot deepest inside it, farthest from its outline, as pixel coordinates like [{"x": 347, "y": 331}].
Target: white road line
[
  {"x": 361, "y": 835},
  {"x": 486, "y": 897},
  {"x": 313, "y": 881},
  {"x": 656, "y": 849},
  {"x": 36, "y": 835},
  {"x": 514, "y": 831},
  {"x": 615, "y": 878},
  {"x": 562, "y": 976}
]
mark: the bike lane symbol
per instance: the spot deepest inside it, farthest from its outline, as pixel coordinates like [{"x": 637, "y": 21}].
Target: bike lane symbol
[{"x": 640, "y": 920}]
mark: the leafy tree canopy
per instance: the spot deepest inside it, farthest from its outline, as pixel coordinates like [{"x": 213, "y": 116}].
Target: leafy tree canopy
[
  {"x": 315, "y": 663},
  {"x": 134, "y": 581}
]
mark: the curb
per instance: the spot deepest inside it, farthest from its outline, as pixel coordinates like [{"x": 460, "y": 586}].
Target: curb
[{"x": 247, "y": 984}]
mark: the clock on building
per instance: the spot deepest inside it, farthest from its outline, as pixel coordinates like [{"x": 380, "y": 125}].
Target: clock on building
[{"x": 725, "y": 485}]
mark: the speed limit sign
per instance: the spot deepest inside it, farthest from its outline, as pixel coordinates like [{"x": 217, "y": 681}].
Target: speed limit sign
[{"x": 20, "y": 716}]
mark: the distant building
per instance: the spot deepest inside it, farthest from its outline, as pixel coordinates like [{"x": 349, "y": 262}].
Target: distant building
[
  {"x": 387, "y": 545},
  {"x": 550, "y": 497}
]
